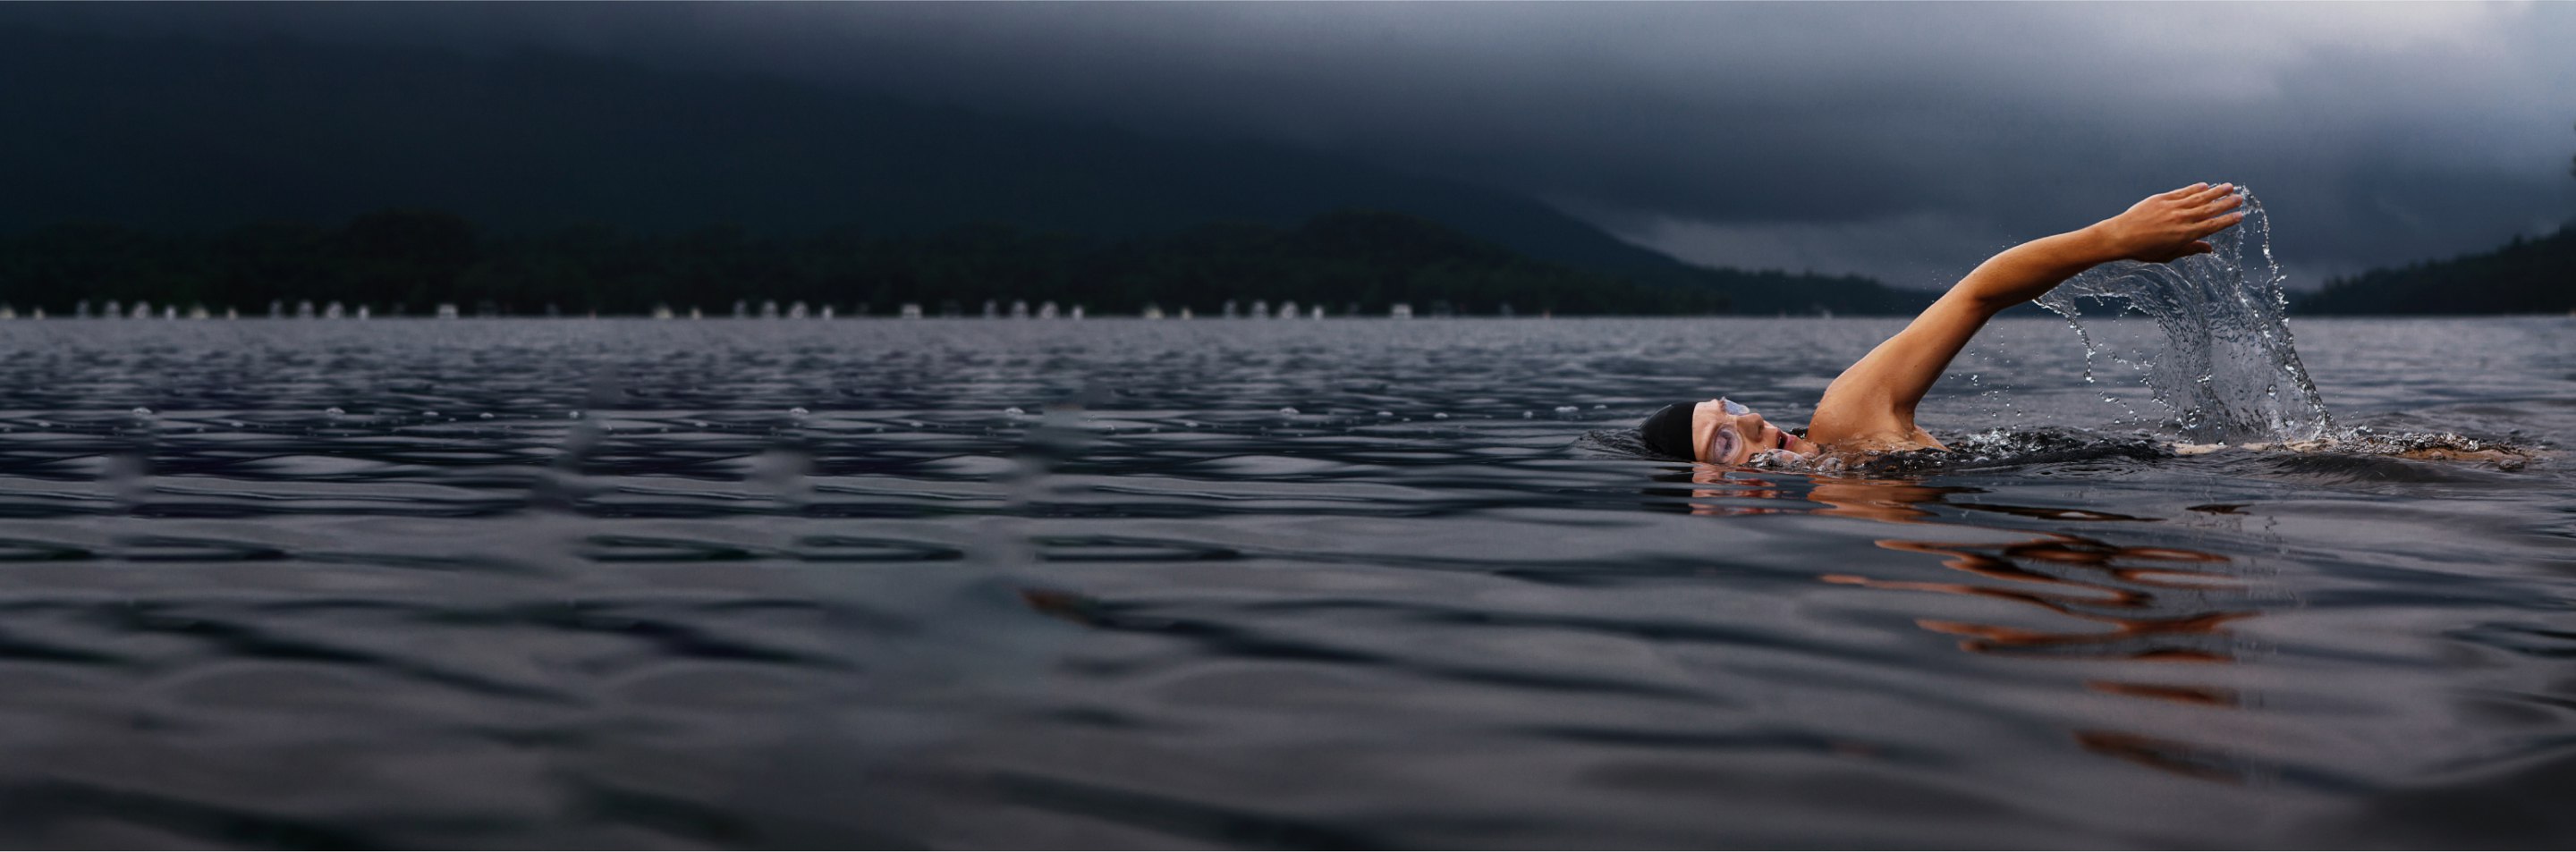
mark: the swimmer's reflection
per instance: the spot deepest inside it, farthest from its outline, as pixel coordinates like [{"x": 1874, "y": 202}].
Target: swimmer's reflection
[
  {"x": 2157, "y": 603},
  {"x": 2149, "y": 604}
]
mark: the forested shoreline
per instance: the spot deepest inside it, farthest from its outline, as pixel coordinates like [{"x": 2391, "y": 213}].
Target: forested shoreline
[
  {"x": 408, "y": 262},
  {"x": 2523, "y": 277}
]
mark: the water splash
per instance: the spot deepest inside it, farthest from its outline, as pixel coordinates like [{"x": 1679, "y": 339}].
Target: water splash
[{"x": 2226, "y": 368}]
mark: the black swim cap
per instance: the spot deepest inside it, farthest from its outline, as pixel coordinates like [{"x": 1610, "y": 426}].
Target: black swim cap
[{"x": 1668, "y": 431}]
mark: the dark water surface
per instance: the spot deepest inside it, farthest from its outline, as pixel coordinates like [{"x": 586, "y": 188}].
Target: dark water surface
[{"x": 1247, "y": 584}]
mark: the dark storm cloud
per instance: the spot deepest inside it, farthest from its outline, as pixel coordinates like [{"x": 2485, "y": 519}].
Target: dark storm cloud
[{"x": 1901, "y": 141}]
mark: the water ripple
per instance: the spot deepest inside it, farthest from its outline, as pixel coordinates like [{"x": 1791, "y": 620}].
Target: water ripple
[{"x": 1125, "y": 583}]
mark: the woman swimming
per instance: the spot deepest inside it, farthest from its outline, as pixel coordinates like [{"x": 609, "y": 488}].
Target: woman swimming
[{"x": 1870, "y": 407}]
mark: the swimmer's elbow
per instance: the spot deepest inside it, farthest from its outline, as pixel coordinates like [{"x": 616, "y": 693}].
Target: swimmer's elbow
[{"x": 1987, "y": 302}]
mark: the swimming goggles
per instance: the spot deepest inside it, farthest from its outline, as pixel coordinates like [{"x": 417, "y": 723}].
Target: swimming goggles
[{"x": 1723, "y": 440}]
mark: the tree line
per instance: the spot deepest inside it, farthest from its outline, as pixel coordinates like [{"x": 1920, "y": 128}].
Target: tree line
[
  {"x": 2525, "y": 276},
  {"x": 410, "y": 261}
]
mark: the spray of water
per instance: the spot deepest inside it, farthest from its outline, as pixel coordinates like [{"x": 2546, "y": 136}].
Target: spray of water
[{"x": 2225, "y": 368}]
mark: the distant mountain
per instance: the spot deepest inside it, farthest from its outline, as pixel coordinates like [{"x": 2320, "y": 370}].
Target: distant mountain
[
  {"x": 179, "y": 133},
  {"x": 2525, "y": 276}
]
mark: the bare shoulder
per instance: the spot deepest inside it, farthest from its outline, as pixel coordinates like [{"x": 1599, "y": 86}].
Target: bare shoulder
[
  {"x": 1864, "y": 429},
  {"x": 1858, "y": 416}
]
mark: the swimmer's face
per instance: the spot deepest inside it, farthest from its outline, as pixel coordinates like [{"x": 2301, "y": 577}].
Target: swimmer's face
[{"x": 1723, "y": 432}]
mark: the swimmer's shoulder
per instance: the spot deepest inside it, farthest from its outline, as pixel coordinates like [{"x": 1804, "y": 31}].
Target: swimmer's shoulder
[{"x": 1850, "y": 428}]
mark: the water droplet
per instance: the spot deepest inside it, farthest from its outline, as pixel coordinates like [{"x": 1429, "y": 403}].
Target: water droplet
[
  {"x": 333, "y": 411},
  {"x": 798, "y": 411},
  {"x": 1013, "y": 411},
  {"x": 1290, "y": 411},
  {"x": 140, "y": 411}
]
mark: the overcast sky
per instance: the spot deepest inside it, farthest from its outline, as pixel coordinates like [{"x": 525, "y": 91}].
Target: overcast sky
[{"x": 1900, "y": 141}]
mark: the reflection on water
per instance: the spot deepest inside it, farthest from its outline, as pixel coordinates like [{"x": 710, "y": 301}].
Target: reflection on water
[
  {"x": 1242, "y": 584},
  {"x": 2154, "y": 604}
]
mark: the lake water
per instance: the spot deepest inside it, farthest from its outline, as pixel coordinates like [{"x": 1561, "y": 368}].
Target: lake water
[{"x": 1257, "y": 584}]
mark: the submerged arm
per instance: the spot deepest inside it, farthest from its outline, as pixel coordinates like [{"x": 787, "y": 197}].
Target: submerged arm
[{"x": 1872, "y": 402}]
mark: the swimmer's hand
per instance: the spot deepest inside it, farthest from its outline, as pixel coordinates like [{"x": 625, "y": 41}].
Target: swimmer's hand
[{"x": 2169, "y": 226}]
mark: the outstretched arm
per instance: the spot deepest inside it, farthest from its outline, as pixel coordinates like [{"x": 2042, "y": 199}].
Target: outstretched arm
[{"x": 1872, "y": 403}]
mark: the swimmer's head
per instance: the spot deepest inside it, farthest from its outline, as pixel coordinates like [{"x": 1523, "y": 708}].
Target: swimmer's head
[{"x": 1717, "y": 431}]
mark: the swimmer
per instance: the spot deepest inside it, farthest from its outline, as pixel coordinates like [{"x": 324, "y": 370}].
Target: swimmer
[{"x": 1870, "y": 407}]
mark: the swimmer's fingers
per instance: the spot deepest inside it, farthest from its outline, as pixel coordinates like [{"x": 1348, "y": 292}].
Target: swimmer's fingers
[
  {"x": 2196, "y": 194},
  {"x": 2216, "y": 225},
  {"x": 2183, "y": 193},
  {"x": 2200, "y": 247},
  {"x": 2213, "y": 206},
  {"x": 2210, "y": 193}
]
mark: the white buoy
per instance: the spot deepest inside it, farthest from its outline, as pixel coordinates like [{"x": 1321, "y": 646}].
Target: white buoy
[
  {"x": 911, "y": 310},
  {"x": 1401, "y": 310},
  {"x": 796, "y": 311},
  {"x": 661, "y": 311},
  {"x": 1046, "y": 311},
  {"x": 447, "y": 310}
]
